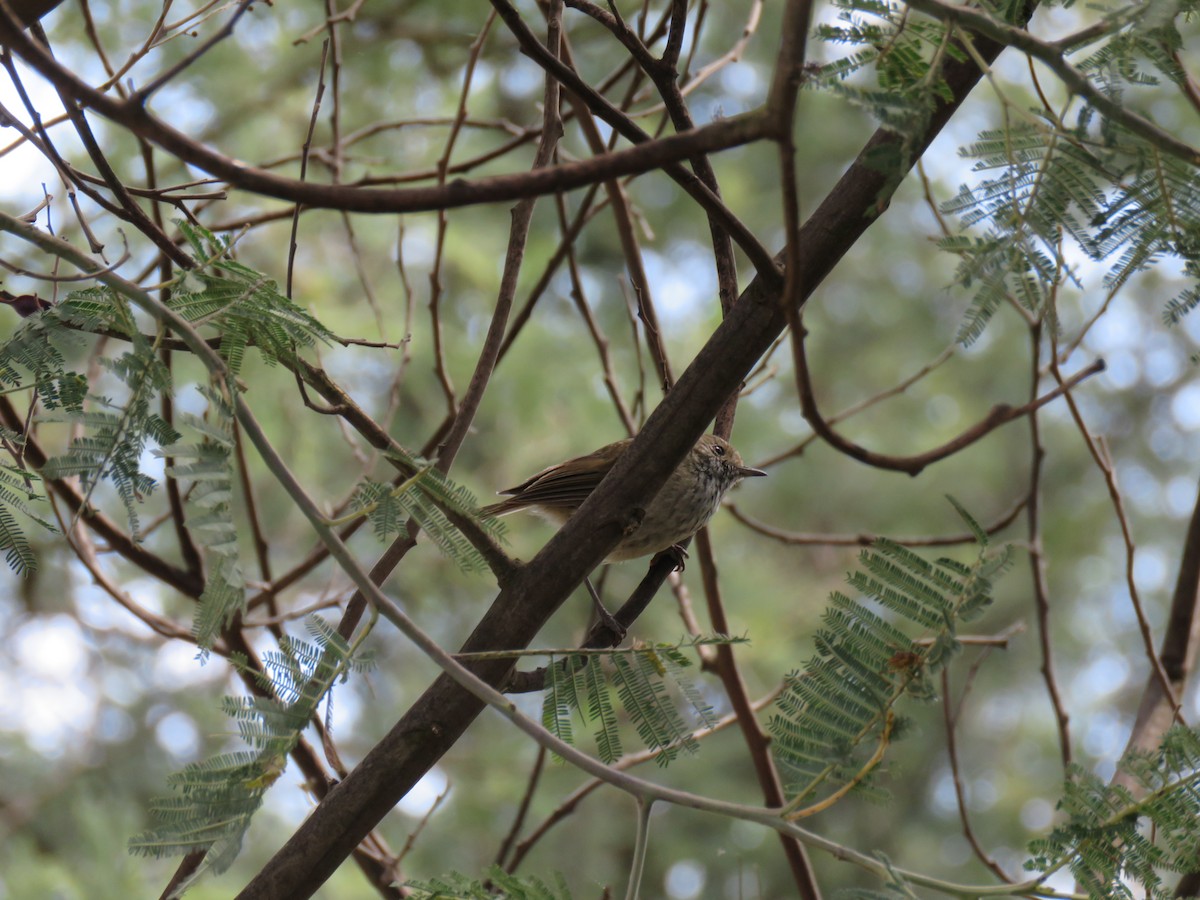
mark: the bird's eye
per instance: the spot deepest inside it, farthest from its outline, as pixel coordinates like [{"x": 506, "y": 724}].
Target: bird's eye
[{"x": 719, "y": 450}]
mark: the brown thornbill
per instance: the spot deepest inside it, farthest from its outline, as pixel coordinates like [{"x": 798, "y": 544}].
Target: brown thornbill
[{"x": 686, "y": 502}]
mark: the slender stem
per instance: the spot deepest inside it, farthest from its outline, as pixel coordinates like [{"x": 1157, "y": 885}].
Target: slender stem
[
  {"x": 638, "y": 867},
  {"x": 950, "y": 718},
  {"x": 999, "y": 415}
]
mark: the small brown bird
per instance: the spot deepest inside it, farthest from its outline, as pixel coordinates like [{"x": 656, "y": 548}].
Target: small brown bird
[{"x": 682, "y": 507}]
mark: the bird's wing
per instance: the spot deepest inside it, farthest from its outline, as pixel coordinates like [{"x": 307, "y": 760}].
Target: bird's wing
[{"x": 564, "y": 485}]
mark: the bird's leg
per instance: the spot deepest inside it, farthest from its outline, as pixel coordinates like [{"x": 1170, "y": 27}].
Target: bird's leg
[
  {"x": 676, "y": 553},
  {"x": 606, "y": 618}
]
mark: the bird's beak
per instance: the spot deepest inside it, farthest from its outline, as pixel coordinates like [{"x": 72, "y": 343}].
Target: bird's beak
[{"x": 747, "y": 472}]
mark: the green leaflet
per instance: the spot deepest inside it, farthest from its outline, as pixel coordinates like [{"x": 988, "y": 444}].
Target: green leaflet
[
  {"x": 116, "y": 435},
  {"x": 244, "y": 306},
  {"x": 496, "y": 883},
  {"x": 208, "y": 464},
  {"x": 1119, "y": 846},
  {"x": 835, "y": 718},
  {"x": 214, "y": 800},
  {"x": 650, "y": 683},
  {"x": 425, "y": 497}
]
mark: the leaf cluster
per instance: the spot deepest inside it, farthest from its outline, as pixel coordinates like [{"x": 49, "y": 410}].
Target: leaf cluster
[
  {"x": 646, "y": 680},
  {"x": 1130, "y": 202},
  {"x": 835, "y": 718},
  {"x": 115, "y": 433},
  {"x": 208, "y": 465},
  {"x": 1115, "y": 195},
  {"x": 243, "y": 305},
  {"x": 425, "y": 497},
  {"x": 1116, "y": 845},
  {"x": 217, "y": 798},
  {"x": 1139, "y": 35},
  {"x": 214, "y": 800},
  {"x": 894, "y": 72},
  {"x": 498, "y": 883},
  {"x": 1111, "y": 192},
  {"x": 18, "y": 492}
]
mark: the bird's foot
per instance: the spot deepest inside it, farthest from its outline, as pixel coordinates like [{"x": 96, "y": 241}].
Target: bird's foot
[{"x": 676, "y": 554}]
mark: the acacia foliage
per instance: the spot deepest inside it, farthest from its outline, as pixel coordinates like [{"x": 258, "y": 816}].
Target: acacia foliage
[{"x": 495, "y": 345}]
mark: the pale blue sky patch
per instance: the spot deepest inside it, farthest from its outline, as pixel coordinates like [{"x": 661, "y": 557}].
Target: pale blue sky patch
[
  {"x": 50, "y": 702},
  {"x": 1185, "y": 407},
  {"x": 685, "y": 880},
  {"x": 418, "y": 801},
  {"x": 176, "y": 733}
]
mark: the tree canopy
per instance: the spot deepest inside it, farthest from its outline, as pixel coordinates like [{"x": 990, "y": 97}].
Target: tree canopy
[{"x": 293, "y": 291}]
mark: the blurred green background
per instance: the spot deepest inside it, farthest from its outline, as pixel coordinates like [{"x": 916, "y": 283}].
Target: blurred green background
[{"x": 96, "y": 711}]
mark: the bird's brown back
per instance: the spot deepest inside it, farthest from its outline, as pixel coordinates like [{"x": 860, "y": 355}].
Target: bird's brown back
[{"x": 564, "y": 486}]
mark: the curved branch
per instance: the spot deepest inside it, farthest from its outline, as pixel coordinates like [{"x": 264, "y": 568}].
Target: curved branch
[
  {"x": 866, "y": 539},
  {"x": 647, "y": 156},
  {"x": 1000, "y": 414}
]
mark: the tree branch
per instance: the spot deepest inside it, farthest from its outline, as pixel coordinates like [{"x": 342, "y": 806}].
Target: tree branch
[
  {"x": 1000, "y": 414},
  {"x": 437, "y": 719},
  {"x": 647, "y": 156},
  {"x": 1054, "y": 57}
]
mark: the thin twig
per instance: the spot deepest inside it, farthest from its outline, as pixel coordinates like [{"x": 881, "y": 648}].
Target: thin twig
[
  {"x": 583, "y": 215},
  {"x": 1099, "y": 453},
  {"x": 435, "y": 272},
  {"x": 950, "y": 718},
  {"x": 141, "y": 95},
  {"x": 866, "y": 539},
  {"x": 1037, "y": 559},
  {"x": 1000, "y": 414},
  {"x": 305, "y": 148},
  {"x": 643, "y": 296},
  {"x": 531, "y": 784},
  {"x": 579, "y": 298}
]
